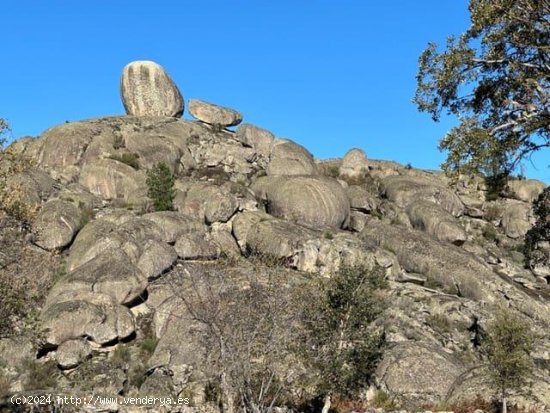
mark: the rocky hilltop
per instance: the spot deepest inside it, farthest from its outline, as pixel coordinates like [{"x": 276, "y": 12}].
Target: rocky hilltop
[{"x": 114, "y": 270}]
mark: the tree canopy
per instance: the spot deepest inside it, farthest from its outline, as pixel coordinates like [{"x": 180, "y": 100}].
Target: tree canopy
[{"x": 495, "y": 78}]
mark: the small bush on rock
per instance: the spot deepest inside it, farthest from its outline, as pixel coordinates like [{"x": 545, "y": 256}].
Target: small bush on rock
[
  {"x": 160, "y": 182},
  {"x": 130, "y": 159}
]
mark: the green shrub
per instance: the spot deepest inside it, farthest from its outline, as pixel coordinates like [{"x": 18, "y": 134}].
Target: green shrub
[
  {"x": 496, "y": 183},
  {"x": 489, "y": 232},
  {"x": 383, "y": 400},
  {"x": 130, "y": 159},
  {"x": 508, "y": 345},
  {"x": 149, "y": 345},
  {"x": 160, "y": 182},
  {"x": 340, "y": 340}
]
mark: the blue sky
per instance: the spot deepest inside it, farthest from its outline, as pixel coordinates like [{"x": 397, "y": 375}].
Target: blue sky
[{"x": 330, "y": 75}]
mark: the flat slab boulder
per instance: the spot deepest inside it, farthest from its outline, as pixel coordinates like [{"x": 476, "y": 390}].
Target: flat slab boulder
[
  {"x": 110, "y": 179},
  {"x": 147, "y": 90},
  {"x": 110, "y": 273},
  {"x": 173, "y": 224},
  {"x": 418, "y": 373},
  {"x": 56, "y": 224},
  {"x": 213, "y": 114},
  {"x": 289, "y": 158},
  {"x": 447, "y": 265},
  {"x": 75, "y": 315},
  {"x": 403, "y": 189},
  {"x": 313, "y": 201},
  {"x": 434, "y": 220},
  {"x": 526, "y": 190}
]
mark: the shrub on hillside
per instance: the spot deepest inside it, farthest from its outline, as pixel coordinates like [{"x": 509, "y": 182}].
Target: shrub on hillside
[
  {"x": 160, "y": 182},
  {"x": 340, "y": 341}
]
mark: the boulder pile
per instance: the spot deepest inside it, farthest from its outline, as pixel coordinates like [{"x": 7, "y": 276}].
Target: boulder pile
[{"x": 448, "y": 254}]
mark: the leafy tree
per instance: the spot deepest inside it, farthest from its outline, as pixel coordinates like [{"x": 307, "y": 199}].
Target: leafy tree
[
  {"x": 160, "y": 181},
  {"x": 539, "y": 233},
  {"x": 340, "y": 340},
  {"x": 495, "y": 78},
  {"x": 508, "y": 345}
]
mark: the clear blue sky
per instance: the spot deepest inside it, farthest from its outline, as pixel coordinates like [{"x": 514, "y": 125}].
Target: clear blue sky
[{"x": 330, "y": 75}]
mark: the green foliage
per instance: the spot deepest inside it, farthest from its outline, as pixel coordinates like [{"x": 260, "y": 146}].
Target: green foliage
[
  {"x": 149, "y": 345},
  {"x": 340, "y": 341},
  {"x": 489, "y": 232},
  {"x": 494, "y": 78},
  {"x": 130, "y": 159},
  {"x": 508, "y": 346},
  {"x": 383, "y": 400},
  {"x": 160, "y": 182},
  {"x": 496, "y": 183},
  {"x": 328, "y": 235},
  {"x": 540, "y": 232},
  {"x": 121, "y": 356}
]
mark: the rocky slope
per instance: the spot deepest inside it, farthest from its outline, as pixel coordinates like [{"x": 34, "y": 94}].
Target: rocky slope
[{"x": 450, "y": 256}]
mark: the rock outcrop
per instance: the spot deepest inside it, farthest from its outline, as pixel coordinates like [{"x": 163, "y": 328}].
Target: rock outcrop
[{"x": 251, "y": 209}]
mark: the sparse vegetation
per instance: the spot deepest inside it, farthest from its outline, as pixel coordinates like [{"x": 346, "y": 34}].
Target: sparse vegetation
[
  {"x": 439, "y": 322},
  {"x": 247, "y": 330},
  {"x": 328, "y": 235},
  {"x": 160, "y": 182},
  {"x": 489, "y": 232},
  {"x": 130, "y": 159},
  {"x": 508, "y": 347},
  {"x": 383, "y": 400},
  {"x": 148, "y": 345},
  {"x": 40, "y": 375},
  {"x": 121, "y": 356}
]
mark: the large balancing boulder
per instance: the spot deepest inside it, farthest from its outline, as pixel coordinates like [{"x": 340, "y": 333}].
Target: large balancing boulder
[
  {"x": 313, "y": 201},
  {"x": 147, "y": 90}
]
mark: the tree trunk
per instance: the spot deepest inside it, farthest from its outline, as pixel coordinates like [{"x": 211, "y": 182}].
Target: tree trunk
[
  {"x": 326, "y": 406},
  {"x": 504, "y": 405}
]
